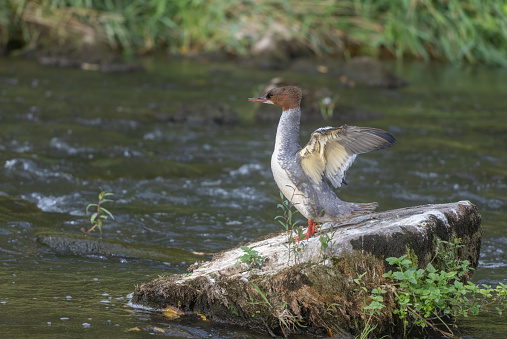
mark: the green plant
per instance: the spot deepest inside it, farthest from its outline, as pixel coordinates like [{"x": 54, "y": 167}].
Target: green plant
[
  {"x": 251, "y": 258},
  {"x": 431, "y": 296},
  {"x": 472, "y": 31},
  {"x": 100, "y": 213},
  {"x": 326, "y": 240},
  {"x": 327, "y": 106},
  {"x": 373, "y": 308},
  {"x": 264, "y": 302},
  {"x": 422, "y": 295},
  {"x": 291, "y": 227}
]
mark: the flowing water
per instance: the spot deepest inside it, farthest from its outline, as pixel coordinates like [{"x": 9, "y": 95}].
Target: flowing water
[{"x": 202, "y": 187}]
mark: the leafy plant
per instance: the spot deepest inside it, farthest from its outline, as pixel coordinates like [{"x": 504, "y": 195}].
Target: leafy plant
[
  {"x": 422, "y": 295},
  {"x": 472, "y": 31},
  {"x": 291, "y": 227},
  {"x": 373, "y": 308},
  {"x": 431, "y": 296},
  {"x": 251, "y": 258},
  {"x": 326, "y": 241},
  {"x": 100, "y": 213},
  {"x": 265, "y": 299},
  {"x": 327, "y": 106}
]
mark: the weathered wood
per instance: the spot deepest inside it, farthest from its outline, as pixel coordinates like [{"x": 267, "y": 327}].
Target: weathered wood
[{"x": 303, "y": 291}]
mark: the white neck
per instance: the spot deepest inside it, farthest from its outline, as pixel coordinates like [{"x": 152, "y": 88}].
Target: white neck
[{"x": 287, "y": 133}]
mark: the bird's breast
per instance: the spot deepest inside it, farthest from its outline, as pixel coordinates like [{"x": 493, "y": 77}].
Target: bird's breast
[{"x": 288, "y": 186}]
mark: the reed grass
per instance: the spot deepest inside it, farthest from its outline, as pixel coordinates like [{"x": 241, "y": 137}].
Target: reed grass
[{"x": 471, "y": 31}]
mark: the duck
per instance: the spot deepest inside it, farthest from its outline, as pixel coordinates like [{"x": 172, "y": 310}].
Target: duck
[{"x": 307, "y": 176}]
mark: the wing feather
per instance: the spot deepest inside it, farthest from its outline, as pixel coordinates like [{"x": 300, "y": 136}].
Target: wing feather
[
  {"x": 313, "y": 164},
  {"x": 332, "y": 150}
]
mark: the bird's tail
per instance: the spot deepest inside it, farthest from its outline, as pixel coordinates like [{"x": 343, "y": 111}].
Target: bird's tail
[{"x": 364, "y": 208}]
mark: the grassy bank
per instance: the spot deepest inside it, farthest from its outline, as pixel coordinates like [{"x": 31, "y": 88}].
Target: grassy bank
[{"x": 470, "y": 31}]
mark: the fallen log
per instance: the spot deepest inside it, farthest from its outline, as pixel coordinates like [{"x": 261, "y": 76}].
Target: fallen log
[{"x": 304, "y": 288}]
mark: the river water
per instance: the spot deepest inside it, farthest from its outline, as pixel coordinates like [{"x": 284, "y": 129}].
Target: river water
[{"x": 203, "y": 187}]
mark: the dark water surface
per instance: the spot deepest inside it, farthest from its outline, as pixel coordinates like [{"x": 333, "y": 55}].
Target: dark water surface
[{"x": 203, "y": 187}]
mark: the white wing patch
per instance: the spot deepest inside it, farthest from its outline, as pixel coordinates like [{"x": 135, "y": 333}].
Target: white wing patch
[{"x": 332, "y": 150}]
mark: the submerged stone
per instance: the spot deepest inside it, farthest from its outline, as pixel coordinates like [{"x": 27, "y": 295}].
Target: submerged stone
[{"x": 66, "y": 244}]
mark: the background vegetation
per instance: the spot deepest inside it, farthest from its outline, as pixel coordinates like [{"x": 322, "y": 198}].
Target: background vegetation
[{"x": 454, "y": 30}]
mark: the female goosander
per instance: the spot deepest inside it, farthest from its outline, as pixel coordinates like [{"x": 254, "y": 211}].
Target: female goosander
[{"x": 300, "y": 173}]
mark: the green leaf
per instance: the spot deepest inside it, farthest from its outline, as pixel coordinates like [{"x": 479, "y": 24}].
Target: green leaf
[
  {"x": 102, "y": 209},
  {"x": 433, "y": 276},
  {"x": 399, "y": 276},
  {"x": 260, "y": 292},
  {"x": 393, "y": 260},
  {"x": 406, "y": 263},
  {"x": 90, "y": 205},
  {"x": 430, "y": 268},
  {"x": 374, "y": 305},
  {"x": 93, "y": 217},
  {"x": 388, "y": 274}
]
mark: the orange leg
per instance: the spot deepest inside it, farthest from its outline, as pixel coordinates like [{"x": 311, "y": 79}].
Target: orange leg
[
  {"x": 311, "y": 229},
  {"x": 310, "y": 232}
]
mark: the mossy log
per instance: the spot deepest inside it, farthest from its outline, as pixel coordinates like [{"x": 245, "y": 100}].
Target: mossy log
[{"x": 315, "y": 291}]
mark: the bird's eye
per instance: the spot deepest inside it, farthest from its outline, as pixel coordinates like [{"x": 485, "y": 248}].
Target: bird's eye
[{"x": 269, "y": 95}]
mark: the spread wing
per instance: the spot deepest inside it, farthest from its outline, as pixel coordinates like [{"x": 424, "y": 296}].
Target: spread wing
[{"x": 331, "y": 150}]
